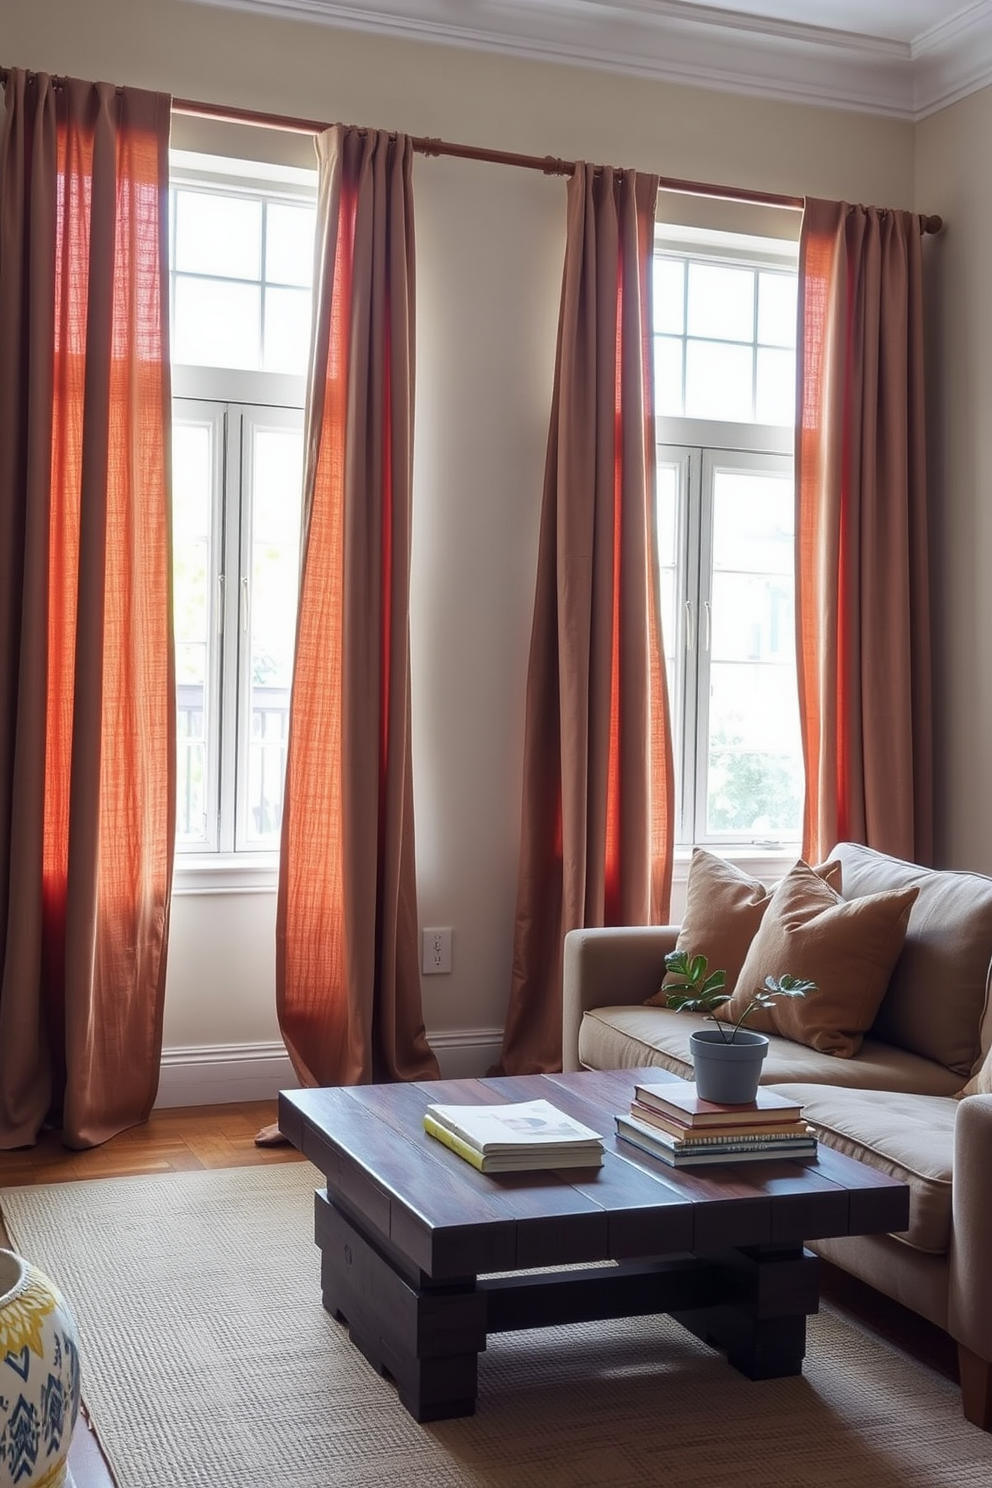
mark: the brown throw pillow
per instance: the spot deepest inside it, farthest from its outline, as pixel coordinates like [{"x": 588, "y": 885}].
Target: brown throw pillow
[
  {"x": 847, "y": 947},
  {"x": 723, "y": 909},
  {"x": 981, "y": 1081}
]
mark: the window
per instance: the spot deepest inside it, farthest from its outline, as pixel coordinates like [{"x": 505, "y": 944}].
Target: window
[
  {"x": 725, "y": 378},
  {"x": 242, "y": 243}
]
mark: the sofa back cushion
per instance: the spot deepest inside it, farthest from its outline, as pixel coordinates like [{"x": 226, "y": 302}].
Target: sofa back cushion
[
  {"x": 847, "y": 948},
  {"x": 939, "y": 988}
]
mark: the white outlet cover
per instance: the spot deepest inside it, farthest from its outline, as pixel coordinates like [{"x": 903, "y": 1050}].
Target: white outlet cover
[{"x": 435, "y": 959}]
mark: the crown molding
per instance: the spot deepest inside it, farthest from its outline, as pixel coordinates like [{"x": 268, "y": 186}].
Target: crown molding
[{"x": 701, "y": 45}]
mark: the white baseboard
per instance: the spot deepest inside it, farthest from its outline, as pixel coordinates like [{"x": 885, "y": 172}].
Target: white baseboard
[{"x": 218, "y": 1074}]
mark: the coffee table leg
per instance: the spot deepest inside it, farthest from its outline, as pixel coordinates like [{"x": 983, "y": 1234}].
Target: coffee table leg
[
  {"x": 761, "y": 1324},
  {"x": 427, "y": 1341}
]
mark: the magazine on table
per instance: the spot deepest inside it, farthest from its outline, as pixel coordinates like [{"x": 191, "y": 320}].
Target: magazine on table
[
  {"x": 516, "y": 1126},
  {"x": 520, "y": 1159}
]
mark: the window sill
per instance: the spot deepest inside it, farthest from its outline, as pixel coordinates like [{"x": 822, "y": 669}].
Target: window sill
[
  {"x": 216, "y": 873},
  {"x": 762, "y": 862}
]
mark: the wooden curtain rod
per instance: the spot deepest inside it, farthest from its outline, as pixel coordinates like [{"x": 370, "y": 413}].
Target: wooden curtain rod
[{"x": 550, "y": 165}]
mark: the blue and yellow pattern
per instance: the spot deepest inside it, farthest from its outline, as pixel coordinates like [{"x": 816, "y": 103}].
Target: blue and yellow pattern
[{"x": 39, "y": 1380}]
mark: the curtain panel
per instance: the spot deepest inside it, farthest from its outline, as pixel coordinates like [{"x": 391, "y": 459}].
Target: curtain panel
[
  {"x": 597, "y": 818},
  {"x": 347, "y": 964},
  {"x": 87, "y": 720},
  {"x": 862, "y": 584}
]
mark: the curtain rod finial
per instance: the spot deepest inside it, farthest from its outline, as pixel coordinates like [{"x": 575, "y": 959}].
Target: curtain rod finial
[{"x": 932, "y": 224}]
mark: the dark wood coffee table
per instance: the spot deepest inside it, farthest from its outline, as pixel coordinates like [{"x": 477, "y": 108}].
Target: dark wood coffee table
[{"x": 410, "y": 1234}]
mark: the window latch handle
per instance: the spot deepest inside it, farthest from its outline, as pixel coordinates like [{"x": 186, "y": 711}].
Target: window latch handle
[
  {"x": 244, "y": 604},
  {"x": 708, "y": 632},
  {"x": 690, "y": 626}
]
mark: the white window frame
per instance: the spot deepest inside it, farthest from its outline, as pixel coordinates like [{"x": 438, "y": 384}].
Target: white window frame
[
  {"x": 231, "y": 400},
  {"x": 694, "y": 444}
]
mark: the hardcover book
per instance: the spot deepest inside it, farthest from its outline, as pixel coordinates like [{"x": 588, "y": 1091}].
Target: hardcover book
[
  {"x": 676, "y": 1127},
  {"x": 677, "y": 1155},
  {"x": 679, "y": 1098},
  {"x": 804, "y": 1136}
]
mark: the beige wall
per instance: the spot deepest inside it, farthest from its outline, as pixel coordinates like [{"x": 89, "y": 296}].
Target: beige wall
[
  {"x": 953, "y": 178},
  {"x": 489, "y": 264}
]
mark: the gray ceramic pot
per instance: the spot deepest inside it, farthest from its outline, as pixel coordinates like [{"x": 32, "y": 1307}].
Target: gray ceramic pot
[{"x": 727, "y": 1073}]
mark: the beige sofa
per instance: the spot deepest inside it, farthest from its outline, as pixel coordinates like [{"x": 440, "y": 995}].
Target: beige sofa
[{"x": 892, "y": 1104}]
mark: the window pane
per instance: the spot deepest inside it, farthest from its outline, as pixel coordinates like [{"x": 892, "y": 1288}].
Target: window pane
[
  {"x": 289, "y": 244},
  {"x": 755, "y": 779},
  {"x": 191, "y": 466},
  {"x": 718, "y": 381},
  {"x": 753, "y": 618},
  {"x": 191, "y": 761},
  {"x": 667, "y": 375},
  {"x": 777, "y": 309},
  {"x": 667, "y": 534},
  {"x": 287, "y": 330},
  {"x": 218, "y": 235},
  {"x": 753, "y": 522},
  {"x": 775, "y": 400},
  {"x": 721, "y": 302},
  {"x": 277, "y": 481},
  {"x": 754, "y": 757},
  {"x": 192, "y": 458},
  {"x": 216, "y": 324},
  {"x": 669, "y": 295}
]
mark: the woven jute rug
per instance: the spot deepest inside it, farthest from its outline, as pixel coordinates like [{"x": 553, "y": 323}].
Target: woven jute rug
[{"x": 208, "y": 1362}]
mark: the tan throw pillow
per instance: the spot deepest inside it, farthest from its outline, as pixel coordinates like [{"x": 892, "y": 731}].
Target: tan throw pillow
[
  {"x": 723, "y": 909},
  {"x": 981, "y": 1081},
  {"x": 847, "y": 947}
]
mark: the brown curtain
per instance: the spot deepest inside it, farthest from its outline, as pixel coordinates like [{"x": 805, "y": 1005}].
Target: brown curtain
[
  {"x": 597, "y": 820},
  {"x": 862, "y": 587},
  {"x": 347, "y": 969},
  {"x": 87, "y": 687}
]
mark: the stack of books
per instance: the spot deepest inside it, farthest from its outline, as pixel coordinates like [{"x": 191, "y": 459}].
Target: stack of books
[
  {"x": 515, "y": 1137},
  {"x": 670, "y": 1121}
]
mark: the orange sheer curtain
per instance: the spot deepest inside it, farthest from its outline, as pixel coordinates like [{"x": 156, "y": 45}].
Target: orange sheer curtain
[
  {"x": 87, "y": 728},
  {"x": 347, "y": 971},
  {"x": 862, "y": 586},
  {"x": 597, "y": 820}
]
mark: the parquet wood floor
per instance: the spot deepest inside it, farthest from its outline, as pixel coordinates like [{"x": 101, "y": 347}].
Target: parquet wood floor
[{"x": 204, "y": 1137}]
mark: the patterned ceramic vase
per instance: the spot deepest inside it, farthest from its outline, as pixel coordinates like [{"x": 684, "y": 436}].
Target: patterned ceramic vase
[{"x": 39, "y": 1377}]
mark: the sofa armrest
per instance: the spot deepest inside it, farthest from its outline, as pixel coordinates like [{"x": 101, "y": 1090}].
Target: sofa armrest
[
  {"x": 970, "y": 1296},
  {"x": 609, "y": 968}
]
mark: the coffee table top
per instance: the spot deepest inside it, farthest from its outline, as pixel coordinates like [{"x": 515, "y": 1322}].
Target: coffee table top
[{"x": 435, "y": 1213}]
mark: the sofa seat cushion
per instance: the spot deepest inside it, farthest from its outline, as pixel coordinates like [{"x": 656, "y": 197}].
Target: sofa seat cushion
[
  {"x": 908, "y": 1137},
  {"x": 625, "y": 1037}
]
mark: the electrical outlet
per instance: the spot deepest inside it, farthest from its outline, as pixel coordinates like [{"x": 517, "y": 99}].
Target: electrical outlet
[{"x": 436, "y": 953}]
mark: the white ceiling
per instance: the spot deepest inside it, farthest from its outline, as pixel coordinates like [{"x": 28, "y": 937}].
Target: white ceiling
[{"x": 906, "y": 58}]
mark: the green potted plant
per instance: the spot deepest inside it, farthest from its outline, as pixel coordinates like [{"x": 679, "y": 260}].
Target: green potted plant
[{"x": 726, "y": 1060}]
